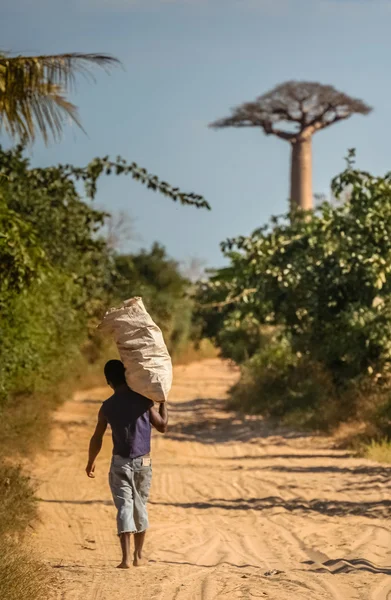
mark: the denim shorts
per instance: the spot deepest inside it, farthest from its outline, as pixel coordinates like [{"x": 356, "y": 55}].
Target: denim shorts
[{"x": 130, "y": 482}]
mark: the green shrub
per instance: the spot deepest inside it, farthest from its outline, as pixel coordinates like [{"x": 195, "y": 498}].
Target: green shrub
[
  {"x": 381, "y": 416},
  {"x": 40, "y": 330},
  {"x": 326, "y": 280},
  {"x": 281, "y": 385},
  {"x": 57, "y": 276},
  {"x": 239, "y": 339}
]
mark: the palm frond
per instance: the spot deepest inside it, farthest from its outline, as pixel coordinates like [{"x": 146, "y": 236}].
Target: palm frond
[{"x": 32, "y": 91}]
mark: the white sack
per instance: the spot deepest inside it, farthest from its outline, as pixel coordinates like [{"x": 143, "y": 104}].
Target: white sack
[{"x": 142, "y": 349}]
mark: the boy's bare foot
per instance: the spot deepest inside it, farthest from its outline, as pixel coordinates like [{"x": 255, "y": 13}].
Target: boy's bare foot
[
  {"x": 139, "y": 561},
  {"x": 124, "y": 565}
]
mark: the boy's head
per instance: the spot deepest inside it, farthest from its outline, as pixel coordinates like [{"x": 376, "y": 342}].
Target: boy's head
[{"x": 115, "y": 373}]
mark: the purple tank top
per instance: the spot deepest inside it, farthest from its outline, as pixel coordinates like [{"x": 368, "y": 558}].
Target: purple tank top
[{"x": 128, "y": 415}]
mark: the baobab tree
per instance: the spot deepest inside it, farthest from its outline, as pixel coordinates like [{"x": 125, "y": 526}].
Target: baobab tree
[{"x": 302, "y": 108}]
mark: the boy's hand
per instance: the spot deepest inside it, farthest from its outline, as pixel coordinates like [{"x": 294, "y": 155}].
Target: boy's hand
[{"x": 90, "y": 470}]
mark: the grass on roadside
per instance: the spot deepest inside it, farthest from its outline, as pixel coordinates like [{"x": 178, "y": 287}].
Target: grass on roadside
[
  {"x": 25, "y": 424},
  {"x": 17, "y": 505},
  {"x": 379, "y": 451},
  {"x": 287, "y": 389},
  {"x": 195, "y": 352},
  {"x": 21, "y": 577}
]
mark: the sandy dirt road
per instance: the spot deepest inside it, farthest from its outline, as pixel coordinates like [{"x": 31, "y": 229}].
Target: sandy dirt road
[{"x": 237, "y": 511}]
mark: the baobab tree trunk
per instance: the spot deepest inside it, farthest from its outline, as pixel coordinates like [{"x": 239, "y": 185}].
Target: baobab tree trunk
[{"x": 301, "y": 173}]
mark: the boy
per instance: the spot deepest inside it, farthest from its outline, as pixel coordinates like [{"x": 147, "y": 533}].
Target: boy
[{"x": 130, "y": 416}]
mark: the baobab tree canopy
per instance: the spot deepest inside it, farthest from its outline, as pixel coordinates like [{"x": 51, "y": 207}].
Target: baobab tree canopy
[
  {"x": 294, "y": 111},
  {"x": 304, "y": 106}
]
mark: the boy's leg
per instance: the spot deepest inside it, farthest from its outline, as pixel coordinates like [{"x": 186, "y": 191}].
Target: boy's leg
[
  {"x": 142, "y": 484},
  {"x": 125, "y": 547},
  {"x": 138, "y": 559},
  {"x": 121, "y": 484}
]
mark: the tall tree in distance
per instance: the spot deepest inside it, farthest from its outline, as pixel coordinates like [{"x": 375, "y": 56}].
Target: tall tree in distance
[
  {"x": 33, "y": 92},
  {"x": 301, "y": 108}
]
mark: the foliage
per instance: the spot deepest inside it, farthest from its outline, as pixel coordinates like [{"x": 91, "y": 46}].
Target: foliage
[
  {"x": 319, "y": 276},
  {"x": 380, "y": 415},
  {"x": 99, "y": 166},
  {"x": 238, "y": 336},
  {"x": 280, "y": 385},
  {"x": 57, "y": 185},
  {"x": 58, "y": 273},
  {"x": 21, "y": 255},
  {"x": 322, "y": 283},
  {"x": 195, "y": 351},
  {"x": 33, "y": 88},
  {"x": 41, "y": 332},
  {"x": 55, "y": 273}
]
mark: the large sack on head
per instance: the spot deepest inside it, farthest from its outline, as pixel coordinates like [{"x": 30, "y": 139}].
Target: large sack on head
[{"x": 142, "y": 349}]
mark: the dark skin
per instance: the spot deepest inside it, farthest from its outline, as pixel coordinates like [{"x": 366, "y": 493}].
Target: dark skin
[{"x": 159, "y": 420}]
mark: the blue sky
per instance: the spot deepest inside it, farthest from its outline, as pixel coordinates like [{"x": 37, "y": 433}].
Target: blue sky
[{"x": 186, "y": 62}]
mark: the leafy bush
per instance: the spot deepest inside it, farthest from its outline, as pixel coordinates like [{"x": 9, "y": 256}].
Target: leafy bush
[
  {"x": 239, "y": 339},
  {"x": 41, "y": 332},
  {"x": 22, "y": 258},
  {"x": 382, "y": 418},
  {"x": 48, "y": 297},
  {"x": 321, "y": 275},
  {"x": 325, "y": 281},
  {"x": 57, "y": 276},
  {"x": 280, "y": 385}
]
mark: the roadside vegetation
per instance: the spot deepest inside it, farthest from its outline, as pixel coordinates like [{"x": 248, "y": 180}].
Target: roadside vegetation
[
  {"x": 58, "y": 274},
  {"x": 379, "y": 451},
  {"x": 59, "y": 271},
  {"x": 304, "y": 306}
]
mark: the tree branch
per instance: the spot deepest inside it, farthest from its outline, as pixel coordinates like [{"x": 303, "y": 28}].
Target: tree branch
[
  {"x": 317, "y": 126},
  {"x": 268, "y": 128},
  {"x": 284, "y": 135},
  {"x": 229, "y": 300},
  {"x": 104, "y": 166}
]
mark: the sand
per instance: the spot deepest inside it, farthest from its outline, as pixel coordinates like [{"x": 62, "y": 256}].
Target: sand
[{"x": 238, "y": 510}]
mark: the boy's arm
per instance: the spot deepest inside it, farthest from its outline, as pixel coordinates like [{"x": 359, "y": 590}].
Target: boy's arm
[
  {"x": 96, "y": 443},
  {"x": 159, "y": 419}
]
